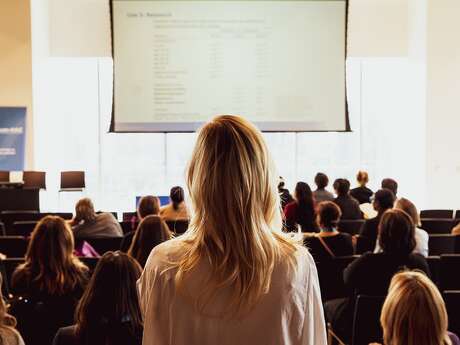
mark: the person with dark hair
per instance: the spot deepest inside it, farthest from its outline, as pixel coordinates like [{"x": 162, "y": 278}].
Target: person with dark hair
[
  {"x": 371, "y": 273},
  {"x": 176, "y": 209},
  {"x": 285, "y": 196},
  {"x": 362, "y": 193},
  {"x": 49, "y": 283},
  {"x": 389, "y": 183},
  {"x": 383, "y": 201},
  {"x": 148, "y": 205},
  {"x": 329, "y": 243},
  {"x": 321, "y": 194},
  {"x": 301, "y": 212},
  {"x": 348, "y": 205},
  {"x": 89, "y": 224},
  {"x": 151, "y": 232},
  {"x": 109, "y": 311}
]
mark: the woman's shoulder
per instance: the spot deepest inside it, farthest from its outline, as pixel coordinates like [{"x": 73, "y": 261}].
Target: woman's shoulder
[
  {"x": 65, "y": 336},
  {"x": 10, "y": 336},
  {"x": 165, "y": 254}
]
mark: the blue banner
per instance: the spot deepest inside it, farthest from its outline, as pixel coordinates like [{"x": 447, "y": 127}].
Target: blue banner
[{"x": 12, "y": 138}]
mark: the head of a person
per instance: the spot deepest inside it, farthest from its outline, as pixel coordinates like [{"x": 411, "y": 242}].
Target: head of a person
[
  {"x": 281, "y": 184},
  {"x": 342, "y": 187},
  {"x": 414, "y": 312},
  {"x": 303, "y": 193},
  {"x": 396, "y": 233},
  {"x": 383, "y": 200},
  {"x": 109, "y": 309},
  {"x": 50, "y": 256},
  {"x": 389, "y": 183},
  {"x": 321, "y": 180},
  {"x": 177, "y": 196},
  {"x": 328, "y": 215},
  {"x": 408, "y": 207},
  {"x": 148, "y": 205},
  {"x": 362, "y": 177},
  {"x": 84, "y": 211},
  {"x": 151, "y": 231},
  {"x": 236, "y": 221}
]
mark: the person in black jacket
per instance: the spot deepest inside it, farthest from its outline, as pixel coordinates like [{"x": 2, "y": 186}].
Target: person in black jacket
[
  {"x": 371, "y": 273},
  {"x": 348, "y": 205},
  {"x": 362, "y": 193},
  {"x": 383, "y": 201},
  {"x": 109, "y": 311}
]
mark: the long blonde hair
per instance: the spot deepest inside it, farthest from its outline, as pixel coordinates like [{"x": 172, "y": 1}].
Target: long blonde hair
[
  {"x": 414, "y": 312},
  {"x": 236, "y": 219}
]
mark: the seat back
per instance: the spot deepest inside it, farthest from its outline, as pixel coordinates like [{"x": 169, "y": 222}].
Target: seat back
[
  {"x": 128, "y": 216},
  {"x": 351, "y": 227},
  {"x": 452, "y": 300},
  {"x": 437, "y": 226},
  {"x": 441, "y": 244},
  {"x": 128, "y": 226},
  {"x": 24, "y": 228},
  {"x": 34, "y": 179},
  {"x": 90, "y": 262},
  {"x": 4, "y": 176},
  {"x": 9, "y": 265},
  {"x": 178, "y": 226},
  {"x": 442, "y": 214},
  {"x": 363, "y": 244},
  {"x": 9, "y": 217},
  {"x": 72, "y": 180},
  {"x": 457, "y": 214},
  {"x": 449, "y": 279},
  {"x": 330, "y": 274},
  {"x": 13, "y": 246},
  {"x": 366, "y": 320},
  {"x": 434, "y": 263},
  {"x": 103, "y": 245}
]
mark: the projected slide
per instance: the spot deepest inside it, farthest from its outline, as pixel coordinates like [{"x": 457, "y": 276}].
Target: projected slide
[{"x": 279, "y": 63}]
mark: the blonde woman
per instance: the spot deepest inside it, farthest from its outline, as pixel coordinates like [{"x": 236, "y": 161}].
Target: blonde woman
[
  {"x": 232, "y": 278},
  {"x": 8, "y": 333},
  {"x": 414, "y": 313}
]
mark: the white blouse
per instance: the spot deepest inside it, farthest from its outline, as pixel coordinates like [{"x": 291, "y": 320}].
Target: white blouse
[{"x": 290, "y": 313}]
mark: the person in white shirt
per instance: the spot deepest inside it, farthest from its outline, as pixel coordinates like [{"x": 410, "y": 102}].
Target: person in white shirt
[
  {"x": 233, "y": 278},
  {"x": 421, "y": 236}
]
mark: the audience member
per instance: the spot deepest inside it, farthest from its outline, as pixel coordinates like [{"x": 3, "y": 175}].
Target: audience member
[
  {"x": 414, "y": 313},
  {"x": 301, "y": 212},
  {"x": 421, "y": 236},
  {"x": 285, "y": 196},
  {"x": 8, "y": 333},
  {"x": 456, "y": 230},
  {"x": 51, "y": 281},
  {"x": 321, "y": 194},
  {"x": 371, "y": 273},
  {"x": 148, "y": 205},
  {"x": 232, "y": 276},
  {"x": 329, "y": 243},
  {"x": 362, "y": 193},
  {"x": 349, "y": 206},
  {"x": 88, "y": 224},
  {"x": 389, "y": 183},
  {"x": 383, "y": 201},
  {"x": 108, "y": 312},
  {"x": 176, "y": 209},
  {"x": 151, "y": 232}
]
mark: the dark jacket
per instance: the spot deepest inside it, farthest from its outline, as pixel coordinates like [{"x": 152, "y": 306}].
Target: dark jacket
[
  {"x": 349, "y": 207},
  {"x": 362, "y": 194}
]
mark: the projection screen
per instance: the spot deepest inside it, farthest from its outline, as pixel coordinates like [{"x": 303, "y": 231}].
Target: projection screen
[{"x": 279, "y": 63}]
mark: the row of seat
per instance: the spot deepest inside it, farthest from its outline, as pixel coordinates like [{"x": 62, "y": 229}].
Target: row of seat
[{"x": 443, "y": 214}]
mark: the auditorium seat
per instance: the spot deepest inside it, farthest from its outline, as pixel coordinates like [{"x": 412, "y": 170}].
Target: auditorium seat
[
  {"x": 441, "y": 244},
  {"x": 9, "y": 217},
  {"x": 457, "y": 214},
  {"x": 366, "y": 320},
  {"x": 351, "y": 227},
  {"x": 437, "y": 214},
  {"x": 330, "y": 275},
  {"x": 8, "y": 267},
  {"x": 449, "y": 279},
  {"x": 437, "y": 226},
  {"x": 103, "y": 245},
  {"x": 363, "y": 245},
  {"x": 128, "y": 216},
  {"x": 452, "y": 300},
  {"x": 128, "y": 226},
  {"x": 434, "y": 263},
  {"x": 23, "y": 228},
  {"x": 90, "y": 262},
  {"x": 178, "y": 227},
  {"x": 13, "y": 246}
]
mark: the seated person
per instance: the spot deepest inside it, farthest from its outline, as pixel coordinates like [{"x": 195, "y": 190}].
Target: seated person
[
  {"x": 8, "y": 333},
  {"x": 383, "y": 201},
  {"x": 421, "y": 236},
  {"x": 50, "y": 282},
  {"x": 389, "y": 183},
  {"x": 88, "y": 224},
  {"x": 108, "y": 312},
  {"x": 301, "y": 212},
  {"x": 362, "y": 193},
  {"x": 148, "y": 205},
  {"x": 329, "y": 243},
  {"x": 151, "y": 232},
  {"x": 371, "y": 273},
  {"x": 414, "y": 312},
  {"x": 349, "y": 206},
  {"x": 321, "y": 194},
  {"x": 285, "y": 196},
  {"x": 176, "y": 209}
]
